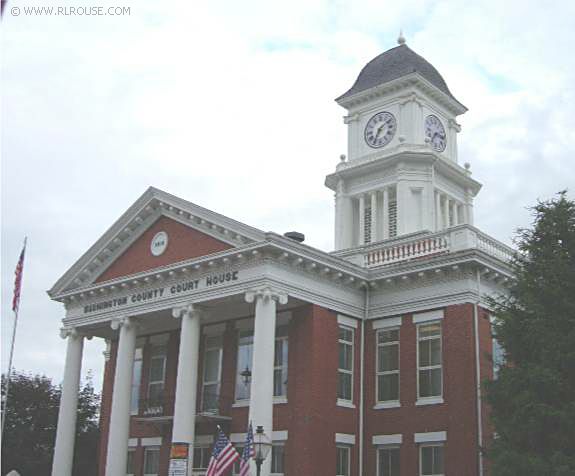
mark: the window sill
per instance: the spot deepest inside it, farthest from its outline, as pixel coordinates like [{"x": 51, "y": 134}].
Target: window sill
[
  {"x": 345, "y": 403},
  {"x": 391, "y": 404},
  {"x": 429, "y": 401},
  {"x": 246, "y": 403},
  {"x": 241, "y": 404}
]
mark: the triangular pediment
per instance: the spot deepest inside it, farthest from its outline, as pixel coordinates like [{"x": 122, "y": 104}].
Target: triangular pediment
[{"x": 126, "y": 248}]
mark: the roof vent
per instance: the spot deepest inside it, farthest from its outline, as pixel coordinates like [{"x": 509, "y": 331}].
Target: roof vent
[{"x": 295, "y": 235}]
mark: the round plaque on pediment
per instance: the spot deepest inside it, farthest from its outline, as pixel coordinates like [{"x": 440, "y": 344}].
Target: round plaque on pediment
[{"x": 159, "y": 243}]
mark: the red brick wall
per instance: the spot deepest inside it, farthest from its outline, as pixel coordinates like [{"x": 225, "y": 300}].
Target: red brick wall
[
  {"x": 106, "y": 407},
  {"x": 183, "y": 243},
  {"x": 312, "y": 416},
  {"x": 457, "y": 415}
]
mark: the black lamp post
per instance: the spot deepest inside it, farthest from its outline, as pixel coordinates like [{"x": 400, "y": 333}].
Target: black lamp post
[{"x": 262, "y": 447}]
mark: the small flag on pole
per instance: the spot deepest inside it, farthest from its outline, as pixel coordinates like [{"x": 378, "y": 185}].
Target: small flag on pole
[
  {"x": 18, "y": 279},
  {"x": 249, "y": 452},
  {"x": 224, "y": 455}
]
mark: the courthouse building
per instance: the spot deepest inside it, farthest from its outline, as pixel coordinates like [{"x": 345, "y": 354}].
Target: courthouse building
[{"x": 366, "y": 360}]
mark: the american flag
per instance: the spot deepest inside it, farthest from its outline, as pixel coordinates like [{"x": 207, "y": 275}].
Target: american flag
[
  {"x": 18, "y": 280},
  {"x": 249, "y": 452},
  {"x": 223, "y": 456}
]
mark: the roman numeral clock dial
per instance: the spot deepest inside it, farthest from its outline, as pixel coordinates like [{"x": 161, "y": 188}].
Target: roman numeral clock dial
[
  {"x": 380, "y": 129},
  {"x": 435, "y": 132}
]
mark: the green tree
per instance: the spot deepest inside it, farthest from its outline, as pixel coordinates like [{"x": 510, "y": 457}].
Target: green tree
[
  {"x": 30, "y": 428},
  {"x": 533, "y": 398}
]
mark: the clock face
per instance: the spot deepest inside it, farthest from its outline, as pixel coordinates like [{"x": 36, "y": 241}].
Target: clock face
[
  {"x": 435, "y": 132},
  {"x": 380, "y": 129}
]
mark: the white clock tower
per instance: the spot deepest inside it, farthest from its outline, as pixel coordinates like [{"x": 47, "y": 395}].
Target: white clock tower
[{"x": 402, "y": 174}]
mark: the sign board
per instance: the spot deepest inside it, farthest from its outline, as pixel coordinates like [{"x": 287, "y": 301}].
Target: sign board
[{"x": 179, "y": 459}]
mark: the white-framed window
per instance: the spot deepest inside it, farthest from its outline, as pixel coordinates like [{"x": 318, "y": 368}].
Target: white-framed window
[
  {"x": 212, "y": 373},
  {"x": 278, "y": 459},
  {"x": 429, "y": 359},
  {"x": 136, "y": 382},
  {"x": 151, "y": 460},
  {"x": 202, "y": 455},
  {"x": 387, "y": 365},
  {"x": 388, "y": 461},
  {"x": 281, "y": 362},
  {"x": 343, "y": 453},
  {"x": 131, "y": 462},
  {"x": 431, "y": 460},
  {"x": 157, "y": 374},
  {"x": 244, "y": 362},
  {"x": 345, "y": 366}
]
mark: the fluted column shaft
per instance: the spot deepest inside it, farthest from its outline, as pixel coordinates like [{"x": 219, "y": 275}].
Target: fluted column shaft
[
  {"x": 66, "y": 430},
  {"x": 119, "y": 433},
  {"x": 187, "y": 378},
  {"x": 262, "y": 380}
]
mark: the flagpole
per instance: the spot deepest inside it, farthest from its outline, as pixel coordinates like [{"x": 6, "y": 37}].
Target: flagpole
[{"x": 9, "y": 374}]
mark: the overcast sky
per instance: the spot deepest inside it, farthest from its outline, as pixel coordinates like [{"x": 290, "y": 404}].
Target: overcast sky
[{"x": 229, "y": 104}]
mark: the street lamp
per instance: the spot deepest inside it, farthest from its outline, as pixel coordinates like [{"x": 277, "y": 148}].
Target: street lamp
[{"x": 262, "y": 447}]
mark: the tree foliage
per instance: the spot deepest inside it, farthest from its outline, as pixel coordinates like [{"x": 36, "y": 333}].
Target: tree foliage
[
  {"x": 30, "y": 428},
  {"x": 533, "y": 398}
]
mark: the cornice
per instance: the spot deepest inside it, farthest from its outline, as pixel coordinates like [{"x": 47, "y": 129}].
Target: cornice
[{"x": 411, "y": 80}]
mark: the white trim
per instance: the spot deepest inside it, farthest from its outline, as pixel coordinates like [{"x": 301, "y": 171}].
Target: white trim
[
  {"x": 241, "y": 403},
  {"x": 430, "y": 437},
  {"x": 379, "y": 440},
  {"x": 345, "y": 438},
  {"x": 279, "y": 400},
  {"x": 345, "y": 403},
  {"x": 429, "y": 401},
  {"x": 347, "y": 321},
  {"x": 428, "y": 316},
  {"x": 280, "y": 435},
  {"x": 238, "y": 437},
  {"x": 390, "y": 404},
  {"x": 214, "y": 330},
  {"x": 139, "y": 353},
  {"x": 152, "y": 441},
  {"x": 132, "y": 442},
  {"x": 202, "y": 440},
  {"x": 387, "y": 322}
]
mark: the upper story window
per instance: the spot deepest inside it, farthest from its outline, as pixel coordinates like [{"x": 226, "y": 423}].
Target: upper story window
[
  {"x": 345, "y": 367},
  {"x": 388, "y": 461},
  {"x": 281, "y": 362},
  {"x": 244, "y": 362},
  {"x": 136, "y": 381},
  {"x": 431, "y": 460},
  {"x": 130, "y": 463},
  {"x": 151, "y": 461},
  {"x": 387, "y": 368},
  {"x": 157, "y": 374},
  {"x": 342, "y": 460},
  {"x": 212, "y": 373},
  {"x": 278, "y": 459},
  {"x": 429, "y": 360}
]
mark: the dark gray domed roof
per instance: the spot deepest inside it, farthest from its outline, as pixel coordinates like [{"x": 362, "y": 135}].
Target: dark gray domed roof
[{"x": 392, "y": 64}]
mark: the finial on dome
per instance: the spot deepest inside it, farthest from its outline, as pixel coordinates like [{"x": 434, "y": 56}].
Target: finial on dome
[{"x": 401, "y": 38}]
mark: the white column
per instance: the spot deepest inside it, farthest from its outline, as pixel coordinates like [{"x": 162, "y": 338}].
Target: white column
[
  {"x": 66, "y": 430},
  {"x": 361, "y": 220},
  {"x": 454, "y": 212},
  {"x": 117, "y": 454},
  {"x": 445, "y": 212},
  {"x": 187, "y": 378},
  {"x": 437, "y": 211},
  {"x": 347, "y": 222},
  {"x": 374, "y": 224},
  {"x": 385, "y": 213},
  {"x": 338, "y": 225},
  {"x": 262, "y": 383}
]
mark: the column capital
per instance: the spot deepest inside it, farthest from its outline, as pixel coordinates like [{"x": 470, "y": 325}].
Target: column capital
[
  {"x": 125, "y": 321},
  {"x": 266, "y": 293},
  {"x": 66, "y": 332},
  {"x": 188, "y": 309}
]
